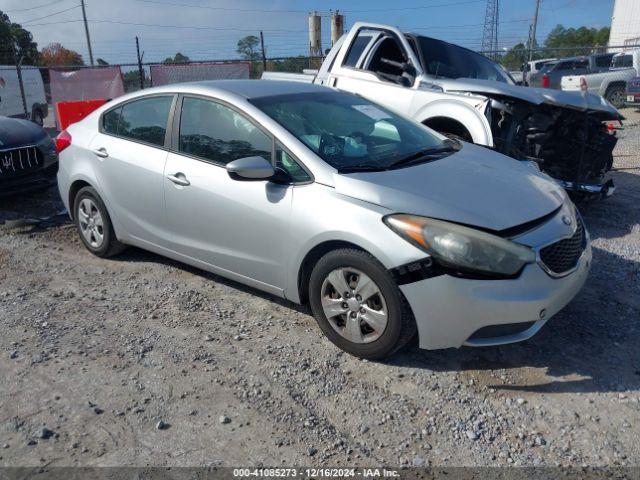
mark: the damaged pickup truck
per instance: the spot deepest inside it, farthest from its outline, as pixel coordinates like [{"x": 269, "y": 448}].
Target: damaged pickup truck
[{"x": 465, "y": 95}]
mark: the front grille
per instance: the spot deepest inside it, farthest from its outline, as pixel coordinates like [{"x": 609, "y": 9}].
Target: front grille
[
  {"x": 562, "y": 256},
  {"x": 633, "y": 87},
  {"x": 19, "y": 161}
]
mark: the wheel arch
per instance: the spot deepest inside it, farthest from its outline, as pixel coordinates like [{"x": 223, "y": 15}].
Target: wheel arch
[
  {"x": 458, "y": 112},
  {"x": 446, "y": 125},
  {"x": 311, "y": 258},
  {"x": 74, "y": 188}
]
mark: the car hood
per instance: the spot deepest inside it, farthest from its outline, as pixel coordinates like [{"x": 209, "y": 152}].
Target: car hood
[
  {"x": 17, "y": 133},
  {"x": 474, "y": 186},
  {"x": 536, "y": 96}
]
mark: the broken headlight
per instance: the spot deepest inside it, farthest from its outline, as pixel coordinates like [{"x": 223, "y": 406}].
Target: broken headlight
[{"x": 462, "y": 247}]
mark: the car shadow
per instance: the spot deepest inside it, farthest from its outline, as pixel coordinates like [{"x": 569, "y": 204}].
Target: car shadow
[
  {"x": 134, "y": 254},
  {"x": 590, "y": 346},
  {"x": 615, "y": 216}
]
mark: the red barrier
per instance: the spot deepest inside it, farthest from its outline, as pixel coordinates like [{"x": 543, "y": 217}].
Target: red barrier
[{"x": 72, "y": 112}]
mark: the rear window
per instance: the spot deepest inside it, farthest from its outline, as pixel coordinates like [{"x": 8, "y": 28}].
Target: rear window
[
  {"x": 143, "y": 120},
  {"x": 603, "y": 61},
  {"x": 622, "y": 61}
]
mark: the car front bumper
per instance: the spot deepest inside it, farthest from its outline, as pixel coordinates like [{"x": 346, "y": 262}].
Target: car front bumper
[
  {"x": 605, "y": 189},
  {"x": 448, "y": 310}
]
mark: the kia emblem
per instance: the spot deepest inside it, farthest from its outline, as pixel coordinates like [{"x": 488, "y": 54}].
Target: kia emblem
[{"x": 566, "y": 220}]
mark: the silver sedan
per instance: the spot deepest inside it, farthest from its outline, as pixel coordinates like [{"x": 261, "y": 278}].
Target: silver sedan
[{"x": 387, "y": 229}]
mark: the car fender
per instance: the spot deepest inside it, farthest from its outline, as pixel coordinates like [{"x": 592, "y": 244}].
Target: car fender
[
  {"x": 472, "y": 118},
  {"x": 315, "y": 222},
  {"x": 72, "y": 170}
]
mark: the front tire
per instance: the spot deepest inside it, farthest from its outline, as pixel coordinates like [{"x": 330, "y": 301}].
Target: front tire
[
  {"x": 94, "y": 224},
  {"x": 358, "y": 306}
]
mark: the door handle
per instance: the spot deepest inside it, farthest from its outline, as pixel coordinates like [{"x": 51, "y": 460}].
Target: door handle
[
  {"x": 100, "y": 152},
  {"x": 179, "y": 179}
]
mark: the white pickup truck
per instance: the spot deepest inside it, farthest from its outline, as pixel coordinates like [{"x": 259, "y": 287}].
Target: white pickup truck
[
  {"x": 611, "y": 84},
  {"x": 463, "y": 94}
]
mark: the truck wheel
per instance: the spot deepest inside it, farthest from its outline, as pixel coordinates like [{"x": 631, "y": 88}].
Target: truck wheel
[
  {"x": 615, "y": 95},
  {"x": 358, "y": 306}
]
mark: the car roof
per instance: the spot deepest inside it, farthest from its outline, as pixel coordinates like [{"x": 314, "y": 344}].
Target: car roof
[{"x": 253, "y": 88}]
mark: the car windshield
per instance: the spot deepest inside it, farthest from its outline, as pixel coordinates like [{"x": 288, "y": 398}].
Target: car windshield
[
  {"x": 444, "y": 59},
  {"x": 349, "y": 132}
]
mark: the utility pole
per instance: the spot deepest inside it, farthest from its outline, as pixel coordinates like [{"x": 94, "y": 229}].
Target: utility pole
[
  {"x": 140, "y": 69},
  {"x": 532, "y": 37},
  {"x": 19, "y": 74},
  {"x": 264, "y": 56},
  {"x": 86, "y": 30}
]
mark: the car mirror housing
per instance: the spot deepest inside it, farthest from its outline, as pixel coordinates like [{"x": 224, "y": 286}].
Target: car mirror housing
[{"x": 250, "y": 168}]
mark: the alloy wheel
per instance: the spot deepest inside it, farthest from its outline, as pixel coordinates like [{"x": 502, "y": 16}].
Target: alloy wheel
[
  {"x": 354, "y": 305},
  {"x": 91, "y": 224}
]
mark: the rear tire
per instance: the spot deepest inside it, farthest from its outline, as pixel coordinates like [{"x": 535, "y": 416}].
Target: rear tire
[
  {"x": 94, "y": 224},
  {"x": 616, "y": 96},
  {"x": 353, "y": 322}
]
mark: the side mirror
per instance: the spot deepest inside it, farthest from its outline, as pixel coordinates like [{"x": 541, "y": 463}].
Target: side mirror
[{"x": 250, "y": 168}]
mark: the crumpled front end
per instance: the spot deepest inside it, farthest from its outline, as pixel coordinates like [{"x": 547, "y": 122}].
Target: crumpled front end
[{"x": 573, "y": 146}]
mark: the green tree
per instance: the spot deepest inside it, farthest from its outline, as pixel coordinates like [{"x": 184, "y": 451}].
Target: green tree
[
  {"x": 177, "y": 58},
  {"x": 247, "y": 48},
  {"x": 576, "y": 41},
  {"x": 515, "y": 57},
  {"x": 14, "y": 34}
]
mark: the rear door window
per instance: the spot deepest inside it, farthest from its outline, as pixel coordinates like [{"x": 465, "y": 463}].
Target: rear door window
[
  {"x": 603, "y": 61},
  {"x": 145, "y": 120},
  {"x": 110, "y": 121}
]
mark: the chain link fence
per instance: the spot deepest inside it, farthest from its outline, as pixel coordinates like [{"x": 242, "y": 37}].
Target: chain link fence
[{"x": 62, "y": 83}]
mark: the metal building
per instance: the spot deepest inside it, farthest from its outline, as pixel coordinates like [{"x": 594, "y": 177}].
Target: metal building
[{"x": 625, "y": 23}]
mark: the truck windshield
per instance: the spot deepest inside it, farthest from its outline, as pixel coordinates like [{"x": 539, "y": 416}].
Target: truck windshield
[
  {"x": 444, "y": 59},
  {"x": 351, "y": 133}
]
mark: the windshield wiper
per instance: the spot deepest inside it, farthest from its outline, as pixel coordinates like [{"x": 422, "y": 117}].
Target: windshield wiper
[
  {"x": 362, "y": 167},
  {"x": 427, "y": 154}
]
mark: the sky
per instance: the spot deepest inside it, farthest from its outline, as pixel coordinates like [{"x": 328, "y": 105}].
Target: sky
[{"x": 210, "y": 29}]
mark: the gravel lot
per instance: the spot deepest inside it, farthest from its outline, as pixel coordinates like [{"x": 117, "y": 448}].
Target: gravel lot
[{"x": 141, "y": 361}]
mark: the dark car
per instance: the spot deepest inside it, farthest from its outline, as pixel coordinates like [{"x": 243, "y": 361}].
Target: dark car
[
  {"x": 28, "y": 159},
  {"x": 633, "y": 92}
]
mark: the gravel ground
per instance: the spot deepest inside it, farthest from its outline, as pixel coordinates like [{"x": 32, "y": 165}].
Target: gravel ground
[{"x": 140, "y": 361}]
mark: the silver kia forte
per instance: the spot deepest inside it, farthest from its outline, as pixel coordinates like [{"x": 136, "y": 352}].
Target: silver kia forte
[{"x": 385, "y": 228}]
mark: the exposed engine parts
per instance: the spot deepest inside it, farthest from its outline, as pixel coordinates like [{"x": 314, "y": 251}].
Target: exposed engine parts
[{"x": 570, "y": 145}]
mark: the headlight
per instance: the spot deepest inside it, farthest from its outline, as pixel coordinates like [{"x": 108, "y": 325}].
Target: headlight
[{"x": 462, "y": 247}]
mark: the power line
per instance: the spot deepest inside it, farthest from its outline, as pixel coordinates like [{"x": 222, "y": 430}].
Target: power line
[
  {"x": 192, "y": 27},
  {"x": 27, "y": 22},
  {"x": 257, "y": 10},
  {"x": 34, "y": 8}
]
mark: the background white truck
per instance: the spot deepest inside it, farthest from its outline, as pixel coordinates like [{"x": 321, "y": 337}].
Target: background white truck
[
  {"x": 463, "y": 94},
  {"x": 11, "y": 99},
  {"x": 611, "y": 84}
]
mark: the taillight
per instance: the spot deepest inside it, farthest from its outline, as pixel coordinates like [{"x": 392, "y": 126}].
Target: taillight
[
  {"x": 63, "y": 141},
  {"x": 545, "y": 81}
]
